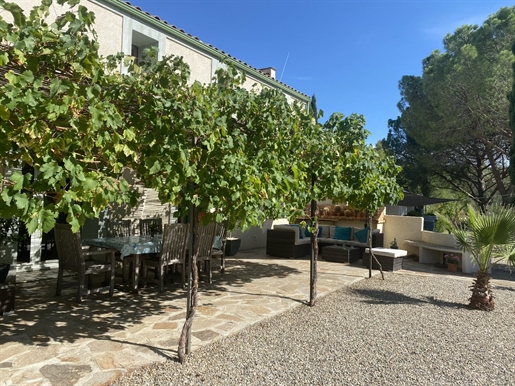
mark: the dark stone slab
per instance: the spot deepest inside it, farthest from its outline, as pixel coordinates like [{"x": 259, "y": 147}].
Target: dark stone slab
[{"x": 61, "y": 375}]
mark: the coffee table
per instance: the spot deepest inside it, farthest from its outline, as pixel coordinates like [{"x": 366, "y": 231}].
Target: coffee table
[{"x": 341, "y": 254}]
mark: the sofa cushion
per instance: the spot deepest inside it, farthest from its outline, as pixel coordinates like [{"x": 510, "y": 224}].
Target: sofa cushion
[
  {"x": 217, "y": 244},
  {"x": 305, "y": 240},
  {"x": 330, "y": 241},
  {"x": 361, "y": 235},
  {"x": 301, "y": 231},
  {"x": 388, "y": 252},
  {"x": 324, "y": 233},
  {"x": 307, "y": 233},
  {"x": 355, "y": 243},
  {"x": 342, "y": 233}
]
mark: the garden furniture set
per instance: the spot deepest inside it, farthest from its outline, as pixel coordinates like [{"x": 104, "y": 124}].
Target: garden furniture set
[
  {"x": 292, "y": 241},
  {"x": 153, "y": 254}
]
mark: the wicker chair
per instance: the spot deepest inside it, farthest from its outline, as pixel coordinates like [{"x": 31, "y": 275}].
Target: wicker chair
[
  {"x": 73, "y": 258},
  {"x": 146, "y": 225},
  {"x": 219, "y": 244},
  {"x": 173, "y": 252},
  {"x": 205, "y": 248}
]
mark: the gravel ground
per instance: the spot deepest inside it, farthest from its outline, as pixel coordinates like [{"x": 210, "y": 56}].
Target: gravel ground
[{"x": 406, "y": 330}]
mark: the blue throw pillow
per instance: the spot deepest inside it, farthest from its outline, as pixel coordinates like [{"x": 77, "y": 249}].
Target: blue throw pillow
[
  {"x": 362, "y": 235},
  {"x": 217, "y": 243},
  {"x": 301, "y": 234},
  {"x": 308, "y": 233},
  {"x": 342, "y": 233}
]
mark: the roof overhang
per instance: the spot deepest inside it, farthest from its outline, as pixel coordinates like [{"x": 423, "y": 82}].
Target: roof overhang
[{"x": 412, "y": 199}]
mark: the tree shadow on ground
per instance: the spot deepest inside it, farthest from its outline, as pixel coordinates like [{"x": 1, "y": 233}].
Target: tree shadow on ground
[
  {"x": 42, "y": 319},
  {"x": 502, "y": 274},
  {"x": 373, "y": 296},
  {"x": 241, "y": 272},
  {"x": 503, "y": 288}
]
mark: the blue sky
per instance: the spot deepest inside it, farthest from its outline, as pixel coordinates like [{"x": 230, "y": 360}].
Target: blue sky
[{"x": 350, "y": 53}]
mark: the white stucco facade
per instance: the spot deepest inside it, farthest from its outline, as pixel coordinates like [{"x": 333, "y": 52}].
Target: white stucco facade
[
  {"x": 121, "y": 27},
  {"x": 201, "y": 66},
  {"x": 432, "y": 246}
]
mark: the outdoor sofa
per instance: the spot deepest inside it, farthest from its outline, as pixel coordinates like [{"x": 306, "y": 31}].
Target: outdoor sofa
[{"x": 290, "y": 240}]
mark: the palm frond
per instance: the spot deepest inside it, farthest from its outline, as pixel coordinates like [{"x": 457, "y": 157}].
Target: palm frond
[
  {"x": 446, "y": 223},
  {"x": 495, "y": 227},
  {"x": 488, "y": 237}
]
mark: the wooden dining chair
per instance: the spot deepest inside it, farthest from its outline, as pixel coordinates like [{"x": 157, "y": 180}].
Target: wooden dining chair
[
  {"x": 205, "y": 248},
  {"x": 219, "y": 244},
  {"x": 150, "y": 226},
  {"x": 119, "y": 228},
  {"x": 173, "y": 252},
  {"x": 72, "y": 257}
]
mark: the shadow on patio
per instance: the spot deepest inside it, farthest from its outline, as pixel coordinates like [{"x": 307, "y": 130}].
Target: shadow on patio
[{"x": 53, "y": 339}]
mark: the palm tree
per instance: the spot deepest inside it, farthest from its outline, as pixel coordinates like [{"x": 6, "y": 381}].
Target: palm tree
[{"x": 489, "y": 237}]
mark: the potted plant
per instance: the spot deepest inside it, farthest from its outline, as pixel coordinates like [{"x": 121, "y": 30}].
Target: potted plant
[
  {"x": 452, "y": 261},
  {"x": 232, "y": 245}
]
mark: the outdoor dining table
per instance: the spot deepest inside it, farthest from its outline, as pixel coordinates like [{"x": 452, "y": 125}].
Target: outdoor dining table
[{"x": 134, "y": 246}]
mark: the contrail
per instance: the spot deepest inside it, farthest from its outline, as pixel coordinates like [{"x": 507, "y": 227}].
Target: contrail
[{"x": 282, "y": 73}]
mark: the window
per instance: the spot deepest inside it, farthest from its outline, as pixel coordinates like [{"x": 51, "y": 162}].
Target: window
[{"x": 140, "y": 43}]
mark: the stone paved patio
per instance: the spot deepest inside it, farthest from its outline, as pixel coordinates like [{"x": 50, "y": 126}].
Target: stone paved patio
[{"x": 54, "y": 341}]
